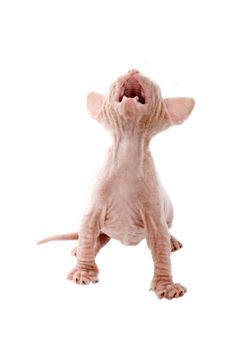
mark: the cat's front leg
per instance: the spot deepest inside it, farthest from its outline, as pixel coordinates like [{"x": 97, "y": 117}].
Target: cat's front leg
[
  {"x": 158, "y": 240},
  {"x": 86, "y": 270}
]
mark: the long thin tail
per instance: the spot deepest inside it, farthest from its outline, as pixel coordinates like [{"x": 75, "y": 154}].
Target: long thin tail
[{"x": 64, "y": 237}]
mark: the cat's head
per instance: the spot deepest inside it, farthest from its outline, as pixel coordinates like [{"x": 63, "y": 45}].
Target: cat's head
[{"x": 135, "y": 105}]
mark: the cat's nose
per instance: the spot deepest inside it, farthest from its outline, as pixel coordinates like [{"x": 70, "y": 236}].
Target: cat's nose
[{"x": 133, "y": 71}]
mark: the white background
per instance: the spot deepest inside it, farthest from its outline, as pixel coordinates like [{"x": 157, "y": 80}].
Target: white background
[{"x": 52, "y": 54}]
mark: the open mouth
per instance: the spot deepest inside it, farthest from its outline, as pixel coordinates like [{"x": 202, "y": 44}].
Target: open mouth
[{"x": 132, "y": 89}]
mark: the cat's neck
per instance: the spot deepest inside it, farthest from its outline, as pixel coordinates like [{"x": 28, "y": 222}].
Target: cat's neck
[{"x": 129, "y": 151}]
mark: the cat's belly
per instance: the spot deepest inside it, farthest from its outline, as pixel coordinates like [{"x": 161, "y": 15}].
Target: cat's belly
[
  {"x": 126, "y": 238},
  {"x": 124, "y": 223}
]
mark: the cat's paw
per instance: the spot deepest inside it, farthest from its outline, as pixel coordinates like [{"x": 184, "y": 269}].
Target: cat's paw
[
  {"x": 168, "y": 290},
  {"x": 74, "y": 252},
  {"x": 175, "y": 244},
  {"x": 82, "y": 275}
]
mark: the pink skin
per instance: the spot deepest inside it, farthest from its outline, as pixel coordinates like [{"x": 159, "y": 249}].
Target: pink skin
[{"x": 129, "y": 202}]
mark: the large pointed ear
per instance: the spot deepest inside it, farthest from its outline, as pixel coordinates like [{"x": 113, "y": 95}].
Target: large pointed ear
[
  {"x": 179, "y": 108},
  {"x": 94, "y": 104}
]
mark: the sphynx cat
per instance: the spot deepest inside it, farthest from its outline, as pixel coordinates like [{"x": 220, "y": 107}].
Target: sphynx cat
[{"x": 129, "y": 202}]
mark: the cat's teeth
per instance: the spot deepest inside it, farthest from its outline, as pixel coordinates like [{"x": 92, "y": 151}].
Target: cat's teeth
[
  {"x": 142, "y": 93},
  {"x": 136, "y": 98}
]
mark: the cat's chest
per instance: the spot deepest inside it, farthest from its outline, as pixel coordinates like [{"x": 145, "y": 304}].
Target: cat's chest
[{"x": 123, "y": 219}]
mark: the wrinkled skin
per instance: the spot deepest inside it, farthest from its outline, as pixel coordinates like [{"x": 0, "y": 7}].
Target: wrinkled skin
[{"x": 128, "y": 202}]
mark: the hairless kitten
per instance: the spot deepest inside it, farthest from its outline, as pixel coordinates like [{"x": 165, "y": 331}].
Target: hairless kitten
[{"x": 129, "y": 202}]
